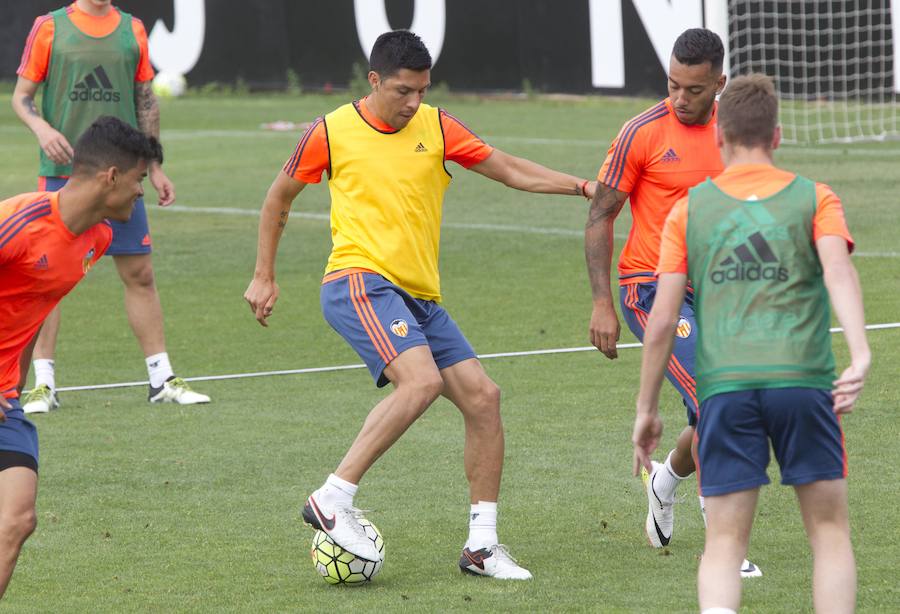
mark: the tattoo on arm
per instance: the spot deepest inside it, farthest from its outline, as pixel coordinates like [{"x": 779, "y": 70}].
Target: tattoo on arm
[
  {"x": 598, "y": 239},
  {"x": 606, "y": 205},
  {"x": 147, "y": 109},
  {"x": 29, "y": 106}
]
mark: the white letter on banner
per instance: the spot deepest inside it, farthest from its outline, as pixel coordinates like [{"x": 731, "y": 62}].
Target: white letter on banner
[
  {"x": 429, "y": 22},
  {"x": 665, "y": 20},
  {"x": 179, "y": 50},
  {"x": 607, "y": 53}
]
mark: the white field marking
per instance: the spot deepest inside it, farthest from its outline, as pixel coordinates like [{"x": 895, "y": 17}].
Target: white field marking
[
  {"x": 180, "y": 134},
  {"x": 562, "y": 232},
  {"x": 209, "y": 378}
]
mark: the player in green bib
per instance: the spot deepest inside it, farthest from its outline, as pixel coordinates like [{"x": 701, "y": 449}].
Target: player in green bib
[
  {"x": 764, "y": 250},
  {"x": 91, "y": 59}
]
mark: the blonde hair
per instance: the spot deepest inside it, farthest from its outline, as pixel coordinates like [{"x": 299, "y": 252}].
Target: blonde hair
[{"x": 748, "y": 111}]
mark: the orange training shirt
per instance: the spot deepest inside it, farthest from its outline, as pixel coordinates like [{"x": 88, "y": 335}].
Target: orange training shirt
[
  {"x": 39, "y": 44},
  {"x": 746, "y": 181},
  {"x": 655, "y": 159},
  {"x": 40, "y": 262},
  {"x": 310, "y": 158}
]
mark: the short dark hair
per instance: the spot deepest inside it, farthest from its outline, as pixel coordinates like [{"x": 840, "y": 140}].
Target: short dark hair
[
  {"x": 699, "y": 45},
  {"x": 111, "y": 142},
  {"x": 748, "y": 111},
  {"x": 398, "y": 49}
]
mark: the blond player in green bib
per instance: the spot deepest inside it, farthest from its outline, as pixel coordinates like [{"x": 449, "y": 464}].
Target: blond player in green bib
[{"x": 765, "y": 250}]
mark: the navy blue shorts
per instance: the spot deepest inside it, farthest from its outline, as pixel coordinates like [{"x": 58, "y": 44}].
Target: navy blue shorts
[
  {"x": 636, "y": 301},
  {"x": 735, "y": 428},
  {"x": 380, "y": 320},
  {"x": 129, "y": 238},
  {"x": 17, "y": 433}
]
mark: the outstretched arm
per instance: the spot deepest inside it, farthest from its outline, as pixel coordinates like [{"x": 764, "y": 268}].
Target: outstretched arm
[
  {"x": 842, "y": 282},
  {"x": 598, "y": 248},
  {"x": 658, "y": 340},
  {"x": 529, "y": 176},
  {"x": 262, "y": 292},
  {"x": 52, "y": 141}
]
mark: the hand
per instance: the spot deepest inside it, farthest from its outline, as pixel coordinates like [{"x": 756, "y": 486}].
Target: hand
[
  {"x": 590, "y": 188},
  {"x": 4, "y": 405},
  {"x": 605, "y": 329},
  {"x": 55, "y": 145},
  {"x": 646, "y": 435},
  {"x": 164, "y": 187},
  {"x": 847, "y": 388},
  {"x": 261, "y": 295}
]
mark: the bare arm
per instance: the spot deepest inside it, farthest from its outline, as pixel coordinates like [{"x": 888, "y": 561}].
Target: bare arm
[
  {"x": 146, "y": 109},
  {"x": 262, "y": 292},
  {"x": 598, "y": 247},
  {"x": 659, "y": 337},
  {"x": 54, "y": 144},
  {"x": 844, "y": 290},
  {"x": 529, "y": 176}
]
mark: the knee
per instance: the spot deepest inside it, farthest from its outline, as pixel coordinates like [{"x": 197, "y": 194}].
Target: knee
[
  {"x": 429, "y": 387},
  {"x": 140, "y": 276},
  {"x": 485, "y": 399},
  {"x": 18, "y": 527}
]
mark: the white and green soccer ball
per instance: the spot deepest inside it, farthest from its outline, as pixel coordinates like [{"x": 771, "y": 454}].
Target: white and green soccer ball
[
  {"x": 338, "y": 566},
  {"x": 169, "y": 84}
]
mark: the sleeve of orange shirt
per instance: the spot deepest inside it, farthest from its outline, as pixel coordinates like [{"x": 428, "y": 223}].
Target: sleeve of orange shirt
[
  {"x": 673, "y": 245},
  {"x": 310, "y": 158},
  {"x": 144, "y": 69},
  {"x": 461, "y": 145},
  {"x": 829, "y": 218},
  {"x": 36, "y": 55},
  {"x": 624, "y": 160}
]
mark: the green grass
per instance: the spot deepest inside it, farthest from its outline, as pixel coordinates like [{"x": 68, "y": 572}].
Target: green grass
[{"x": 148, "y": 508}]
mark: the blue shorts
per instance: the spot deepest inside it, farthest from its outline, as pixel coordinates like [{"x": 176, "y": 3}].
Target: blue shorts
[
  {"x": 636, "y": 301},
  {"x": 380, "y": 320},
  {"x": 17, "y": 433},
  {"x": 735, "y": 428},
  {"x": 129, "y": 238}
]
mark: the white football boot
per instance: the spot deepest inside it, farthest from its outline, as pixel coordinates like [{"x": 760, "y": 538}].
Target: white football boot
[
  {"x": 660, "y": 522},
  {"x": 494, "y": 562},
  {"x": 40, "y": 400},
  {"x": 749, "y": 570},
  {"x": 176, "y": 390},
  {"x": 341, "y": 523}
]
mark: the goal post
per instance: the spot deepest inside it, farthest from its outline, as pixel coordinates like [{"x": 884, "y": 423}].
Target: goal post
[{"x": 834, "y": 62}]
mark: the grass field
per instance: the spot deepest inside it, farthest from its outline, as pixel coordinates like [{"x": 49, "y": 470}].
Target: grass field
[{"x": 164, "y": 509}]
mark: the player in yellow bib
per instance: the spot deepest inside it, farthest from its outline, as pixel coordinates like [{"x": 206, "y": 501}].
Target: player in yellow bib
[{"x": 385, "y": 158}]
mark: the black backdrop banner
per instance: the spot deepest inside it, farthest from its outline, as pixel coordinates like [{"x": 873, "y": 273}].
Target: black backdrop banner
[{"x": 486, "y": 46}]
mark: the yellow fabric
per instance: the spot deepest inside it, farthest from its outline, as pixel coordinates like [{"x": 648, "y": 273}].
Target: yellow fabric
[{"x": 387, "y": 192}]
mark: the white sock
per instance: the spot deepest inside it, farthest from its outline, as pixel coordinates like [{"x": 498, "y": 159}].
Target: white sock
[
  {"x": 44, "y": 373},
  {"x": 666, "y": 481},
  {"x": 718, "y": 611},
  {"x": 703, "y": 508},
  {"x": 482, "y": 525},
  {"x": 336, "y": 491},
  {"x": 159, "y": 369}
]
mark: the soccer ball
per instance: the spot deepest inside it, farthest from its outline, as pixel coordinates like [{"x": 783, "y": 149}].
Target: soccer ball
[
  {"x": 169, "y": 84},
  {"x": 338, "y": 566}
]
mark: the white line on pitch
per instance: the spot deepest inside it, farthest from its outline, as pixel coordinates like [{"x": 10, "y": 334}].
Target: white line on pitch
[
  {"x": 209, "y": 378},
  {"x": 562, "y": 232}
]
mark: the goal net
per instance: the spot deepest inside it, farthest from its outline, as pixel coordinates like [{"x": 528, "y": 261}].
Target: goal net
[{"x": 833, "y": 62}]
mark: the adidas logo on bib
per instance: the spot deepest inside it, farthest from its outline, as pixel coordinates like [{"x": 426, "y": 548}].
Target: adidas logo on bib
[{"x": 95, "y": 87}]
